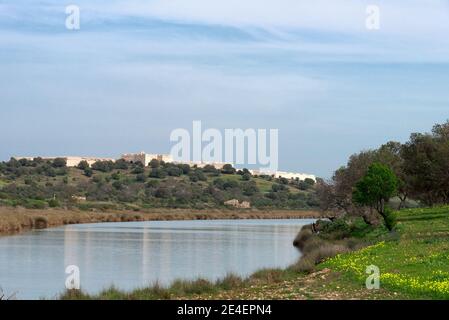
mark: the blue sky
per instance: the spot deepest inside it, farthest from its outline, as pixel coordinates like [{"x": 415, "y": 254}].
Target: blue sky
[{"x": 136, "y": 70}]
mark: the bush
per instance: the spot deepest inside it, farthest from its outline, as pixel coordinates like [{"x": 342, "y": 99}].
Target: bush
[
  {"x": 88, "y": 172},
  {"x": 197, "y": 175},
  {"x": 138, "y": 170},
  {"x": 53, "y": 203},
  {"x": 158, "y": 173},
  {"x": 185, "y": 168},
  {"x": 174, "y": 171},
  {"x": 317, "y": 252},
  {"x": 278, "y": 187},
  {"x": 309, "y": 181},
  {"x": 121, "y": 164},
  {"x": 228, "y": 169},
  {"x": 162, "y": 192},
  {"x": 35, "y": 204},
  {"x": 83, "y": 165},
  {"x": 230, "y": 184},
  {"x": 103, "y": 166},
  {"x": 59, "y": 163},
  {"x": 390, "y": 218},
  {"x": 305, "y": 264},
  {"x": 154, "y": 163}
]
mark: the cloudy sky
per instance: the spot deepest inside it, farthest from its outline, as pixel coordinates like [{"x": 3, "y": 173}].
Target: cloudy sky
[{"x": 138, "y": 69}]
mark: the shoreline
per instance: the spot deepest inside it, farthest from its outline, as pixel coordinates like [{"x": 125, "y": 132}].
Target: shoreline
[{"x": 17, "y": 220}]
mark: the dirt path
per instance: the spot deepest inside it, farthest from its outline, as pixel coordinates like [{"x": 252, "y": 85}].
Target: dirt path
[{"x": 321, "y": 285}]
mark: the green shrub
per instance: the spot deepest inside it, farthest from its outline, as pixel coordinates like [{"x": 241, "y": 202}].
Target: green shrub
[
  {"x": 390, "y": 218},
  {"x": 53, "y": 203},
  {"x": 34, "y": 204}
]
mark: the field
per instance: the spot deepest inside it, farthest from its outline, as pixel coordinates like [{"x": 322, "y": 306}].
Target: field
[
  {"x": 413, "y": 264},
  {"x": 416, "y": 265}
]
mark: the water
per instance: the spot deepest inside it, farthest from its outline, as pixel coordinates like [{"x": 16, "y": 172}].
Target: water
[{"x": 134, "y": 254}]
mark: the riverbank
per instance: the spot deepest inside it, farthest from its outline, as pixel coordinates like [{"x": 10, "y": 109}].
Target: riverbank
[
  {"x": 412, "y": 262},
  {"x": 16, "y": 220}
]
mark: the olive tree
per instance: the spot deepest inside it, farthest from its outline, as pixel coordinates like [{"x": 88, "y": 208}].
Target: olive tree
[{"x": 375, "y": 189}]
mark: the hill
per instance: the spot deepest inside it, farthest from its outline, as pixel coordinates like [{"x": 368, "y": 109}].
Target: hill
[{"x": 39, "y": 184}]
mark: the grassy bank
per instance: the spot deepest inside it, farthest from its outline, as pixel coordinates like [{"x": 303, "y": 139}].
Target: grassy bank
[
  {"x": 413, "y": 264},
  {"x": 16, "y": 220},
  {"x": 417, "y": 264}
]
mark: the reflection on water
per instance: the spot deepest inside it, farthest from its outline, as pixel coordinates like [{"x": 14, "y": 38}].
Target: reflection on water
[{"x": 134, "y": 254}]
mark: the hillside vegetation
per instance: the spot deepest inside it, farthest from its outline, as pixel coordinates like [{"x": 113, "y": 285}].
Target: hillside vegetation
[{"x": 107, "y": 185}]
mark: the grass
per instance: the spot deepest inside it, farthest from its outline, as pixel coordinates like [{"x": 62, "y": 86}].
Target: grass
[
  {"x": 413, "y": 263},
  {"x": 177, "y": 289},
  {"x": 417, "y": 264},
  {"x": 187, "y": 289}
]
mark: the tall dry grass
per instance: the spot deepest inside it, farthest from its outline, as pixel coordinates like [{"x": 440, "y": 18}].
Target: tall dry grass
[
  {"x": 314, "y": 249},
  {"x": 15, "y": 220}
]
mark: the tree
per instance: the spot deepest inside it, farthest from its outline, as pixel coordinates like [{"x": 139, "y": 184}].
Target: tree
[
  {"x": 246, "y": 176},
  {"x": 138, "y": 170},
  {"x": 59, "y": 163},
  {"x": 185, "y": 168},
  {"x": 209, "y": 168},
  {"x": 302, "y": 185},
  {"x": 174, "y": 171},
  {"x": 249, "y": 188},
  {"x": 83, "y": 165},
  {"x": 154, "y": 163},
  {"x": 390, "y": 155},
  {"x": 230, "y": 184},
  {"x": 121, "y": 164},
  {"x": 88, "y": 172},
  {"x": 425, "y": 165},
  {"x": 159, "y": 173},
  {"x": 309, "y": 181},
  {"x": 103, "y": 166},
  {"x": 228, "y": 169},
  {"x": 375, "y": 190}
]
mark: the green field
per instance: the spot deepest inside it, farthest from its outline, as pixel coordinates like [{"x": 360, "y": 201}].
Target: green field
[{"x": 417, "y": 264}]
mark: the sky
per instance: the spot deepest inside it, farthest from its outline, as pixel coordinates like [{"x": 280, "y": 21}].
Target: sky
[{"x": 136, "y": 70}]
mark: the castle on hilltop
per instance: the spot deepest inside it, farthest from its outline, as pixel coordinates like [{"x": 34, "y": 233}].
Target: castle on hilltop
[{"x": 71, "y": 161}]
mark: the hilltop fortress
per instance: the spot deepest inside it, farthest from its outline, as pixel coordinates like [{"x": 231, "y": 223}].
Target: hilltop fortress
[{"x": 145, "y": 159}]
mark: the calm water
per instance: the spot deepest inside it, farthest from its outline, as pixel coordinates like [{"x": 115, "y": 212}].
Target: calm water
[{"x": 134, "y": 254}]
